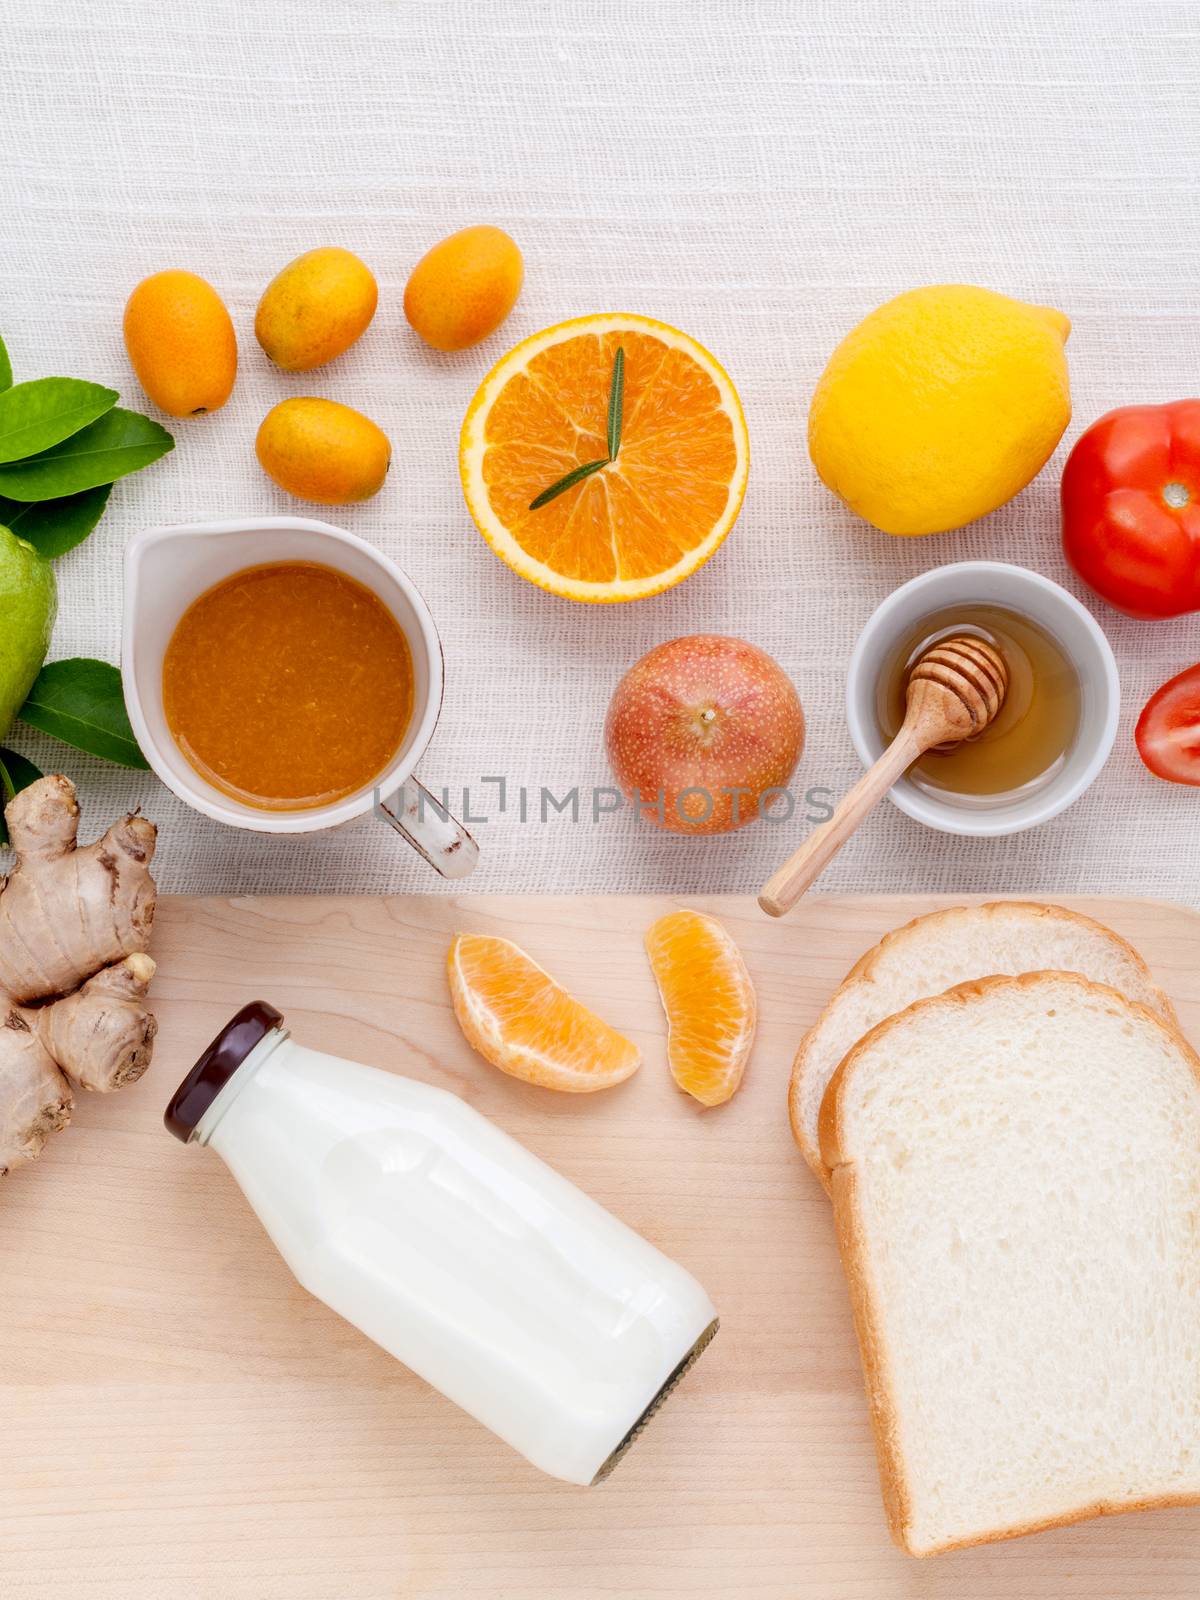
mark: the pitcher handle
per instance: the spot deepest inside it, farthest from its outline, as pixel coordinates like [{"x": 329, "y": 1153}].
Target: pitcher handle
[{"x": 431, "y": 829}]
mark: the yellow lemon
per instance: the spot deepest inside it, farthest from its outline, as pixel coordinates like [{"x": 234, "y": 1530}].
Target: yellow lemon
[{"x": 940, "y": 406}]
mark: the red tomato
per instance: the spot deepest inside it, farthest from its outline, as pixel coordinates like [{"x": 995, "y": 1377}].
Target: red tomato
[
  {"x": 1168, "y": 730},
  {"x": 1131, "y": 508}
]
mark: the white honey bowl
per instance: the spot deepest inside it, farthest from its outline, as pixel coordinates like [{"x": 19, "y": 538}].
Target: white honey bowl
[{"x": 1070, "y": 624}]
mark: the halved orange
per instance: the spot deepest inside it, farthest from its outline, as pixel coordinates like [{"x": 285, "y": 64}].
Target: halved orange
[
  {"x": 647, "y": 519},
  {"x": 709, "y": 1000},
  {"x": 520, "y": 1020}
]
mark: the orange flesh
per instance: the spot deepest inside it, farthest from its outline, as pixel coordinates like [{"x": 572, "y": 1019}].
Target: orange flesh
[
  {"x": 709, "y": 1000},
  {"x": 520, "y": 1020},
  {"x": 288, "y": 686},
  {"x": 668, "y": 486}
]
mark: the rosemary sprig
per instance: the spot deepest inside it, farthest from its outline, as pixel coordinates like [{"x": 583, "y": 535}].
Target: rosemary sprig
[
  {"x": 616, "y": 403},
  {"x": 616, "y": 408},
  {"x": 576, "y": 475}
]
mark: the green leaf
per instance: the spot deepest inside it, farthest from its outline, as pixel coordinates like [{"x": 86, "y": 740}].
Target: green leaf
[
  {"x": 80, "y": 702},
  {"x": 53, "y": 527},
  {"x": 16, "y": 773},
  {"x": 121, "y": 442},
  {"x": 616, "y": 403},
  {"x": 36, "y": 415},
  {"x": 5, "y": 368},
  {"x": 576, "y": 475}
]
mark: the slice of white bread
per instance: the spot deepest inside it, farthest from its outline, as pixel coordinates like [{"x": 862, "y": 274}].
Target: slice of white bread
[
  {"x": 936, "y": 952},
  {"x": 1016, "y": 1185}
]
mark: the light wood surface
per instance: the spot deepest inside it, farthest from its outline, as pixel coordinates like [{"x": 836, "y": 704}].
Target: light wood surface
[{"x": 183, "y": 1422}]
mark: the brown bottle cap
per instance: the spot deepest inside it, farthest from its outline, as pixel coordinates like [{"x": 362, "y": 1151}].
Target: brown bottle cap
[{"x": 217, "y": 1065}]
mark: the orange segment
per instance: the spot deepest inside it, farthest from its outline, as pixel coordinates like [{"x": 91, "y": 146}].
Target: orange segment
[
  {"x": 520, "y": 1020},
  {"x": 649, "y": 518},
  {"x": 709, "y": 1000}
]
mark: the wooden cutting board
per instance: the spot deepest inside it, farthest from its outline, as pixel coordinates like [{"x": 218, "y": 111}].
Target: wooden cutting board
[{"x": 182, "y": 1420}]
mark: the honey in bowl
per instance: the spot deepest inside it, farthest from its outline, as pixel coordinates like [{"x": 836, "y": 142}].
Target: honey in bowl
[
  {"x": 1031, "y": 737},
  {"x": 288, "y": 686}
]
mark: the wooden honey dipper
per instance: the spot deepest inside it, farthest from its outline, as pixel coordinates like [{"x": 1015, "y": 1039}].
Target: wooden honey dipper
[{"x": 954, "y": 692}]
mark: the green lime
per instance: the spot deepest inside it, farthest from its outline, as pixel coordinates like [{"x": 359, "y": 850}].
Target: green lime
[{"x": 28, "y": 602}]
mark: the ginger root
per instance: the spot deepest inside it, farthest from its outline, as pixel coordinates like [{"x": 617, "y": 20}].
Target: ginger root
[{"x": 74, "y": 926}]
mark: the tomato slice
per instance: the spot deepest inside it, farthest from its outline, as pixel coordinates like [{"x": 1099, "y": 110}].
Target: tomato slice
[{"x": 1168, "y": 730}]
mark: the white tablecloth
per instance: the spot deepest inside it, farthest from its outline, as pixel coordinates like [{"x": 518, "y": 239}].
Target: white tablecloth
[{"x": 760, "y": 174}]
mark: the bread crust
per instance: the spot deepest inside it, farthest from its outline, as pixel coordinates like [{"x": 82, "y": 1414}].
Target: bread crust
[
  {"x": 866, "y": 964},
  {"x": 865, "y": 1304},
  {"x": 885, "y": 1426}
]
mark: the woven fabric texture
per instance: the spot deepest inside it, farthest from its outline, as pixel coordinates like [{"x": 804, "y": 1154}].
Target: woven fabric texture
[{"x": 760, "y": 174}]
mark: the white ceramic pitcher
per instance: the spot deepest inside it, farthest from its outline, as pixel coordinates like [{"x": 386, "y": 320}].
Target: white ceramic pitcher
[{"x": 167, "y": 568}]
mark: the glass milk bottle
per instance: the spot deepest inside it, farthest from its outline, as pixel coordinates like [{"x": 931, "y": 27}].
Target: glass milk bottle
[{"x": 449, "y": 1244}]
